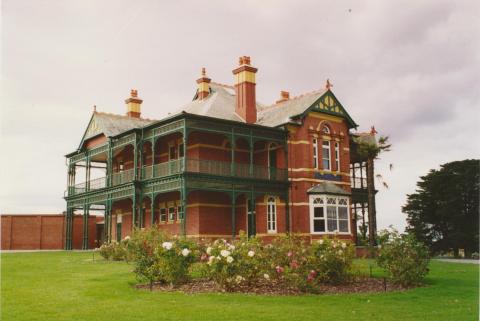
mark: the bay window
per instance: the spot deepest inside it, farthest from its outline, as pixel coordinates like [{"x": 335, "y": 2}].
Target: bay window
[{"x": 329, "y": 214}]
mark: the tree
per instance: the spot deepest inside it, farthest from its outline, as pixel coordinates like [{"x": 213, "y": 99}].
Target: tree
[
  {"x": 370, "y": 150},
  {"x": 444, "y": 210}
]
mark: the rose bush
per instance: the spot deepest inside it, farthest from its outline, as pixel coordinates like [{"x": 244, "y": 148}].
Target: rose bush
[
  {"x": 159, "y": 257},
  {"x": 231, "y": 264},
  {"x": 403, "y": 257},
  {"x": 116, "y": 251}
]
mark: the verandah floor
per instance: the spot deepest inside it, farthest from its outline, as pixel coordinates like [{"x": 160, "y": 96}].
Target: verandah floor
[{"x": 70, "y": 286}]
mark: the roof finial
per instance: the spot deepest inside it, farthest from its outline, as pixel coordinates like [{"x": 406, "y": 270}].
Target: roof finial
[
  {"x": 133, "y": 93},
  {"x": 94, "y": 108},
  {"x": 373, "y": 131},
  {"x": 204, "y": 72},
  {"x": 328, "y": 85}
]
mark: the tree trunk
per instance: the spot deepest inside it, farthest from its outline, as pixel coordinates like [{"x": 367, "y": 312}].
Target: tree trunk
[{"x": 372, "y": 213}]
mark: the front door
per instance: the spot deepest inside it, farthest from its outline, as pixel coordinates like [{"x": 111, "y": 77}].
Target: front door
[
  {"x": 119, "y": 231},
  {"x": 251, "y": 228}
]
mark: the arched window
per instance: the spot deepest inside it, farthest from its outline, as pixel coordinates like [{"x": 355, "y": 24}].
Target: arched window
[{"x": 271, "y": 215}]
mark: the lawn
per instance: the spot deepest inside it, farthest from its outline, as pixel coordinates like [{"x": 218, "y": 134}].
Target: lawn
[{"x": 70, "y": 286}]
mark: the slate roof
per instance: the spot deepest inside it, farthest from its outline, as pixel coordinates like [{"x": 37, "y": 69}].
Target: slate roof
[
  {"x": 112, "y": 124},
  {"x": 327, "y": 188},
  {"x": 220, "y": 104},
  {"x": 282, "y": 112}
]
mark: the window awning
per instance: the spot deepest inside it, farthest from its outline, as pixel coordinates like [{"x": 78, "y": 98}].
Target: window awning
[{"x": 327, "y": 188}]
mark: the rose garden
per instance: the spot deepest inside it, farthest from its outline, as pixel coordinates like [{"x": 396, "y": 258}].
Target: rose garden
[{"x": 288, "y": 265}]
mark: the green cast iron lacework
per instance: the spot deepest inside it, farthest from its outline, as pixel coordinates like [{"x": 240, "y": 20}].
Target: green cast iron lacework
[
  {"x": 123, "y": 141},
  {"x": 162, "y": 186},
  {"x": 164, "y": 129}
]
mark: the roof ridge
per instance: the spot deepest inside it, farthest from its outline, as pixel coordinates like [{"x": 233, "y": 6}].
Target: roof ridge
[
  {"x": 308, "y": 93},
  {"x": 123, "y": 116},
  {"x": 222, "y": 85}
]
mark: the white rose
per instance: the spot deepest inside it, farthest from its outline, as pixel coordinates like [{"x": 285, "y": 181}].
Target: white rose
[
  {"x": 209, "y": 250},
  {"x": 229, "y": 259},
  {"x": 210, "y": 260},
  {"x": 266, "y": 276},
  {"x": 344, "y": 245},
  {"x": 126, "y": 238},
  {"x": 231, "y": 247},
  {"x": 251, "y": 253},
  {"x": 320, "y": 242},
  {"x": 224, "y": 253},
  {"x": 167, "y": 245},
  {"x": 185, "y": 252}
]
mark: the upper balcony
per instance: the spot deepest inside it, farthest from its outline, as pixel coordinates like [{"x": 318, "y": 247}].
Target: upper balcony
[
  {"x": 224, "y": 169},
  {"x": 185, "y": 144}
]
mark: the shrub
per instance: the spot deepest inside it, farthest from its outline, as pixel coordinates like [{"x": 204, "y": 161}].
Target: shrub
[
  {"x": 304, "y": 266},
  {"x": 233, "y": 264},
  {"x": 159, "y": 257},
  {"x": 403, "y": 257},
  {"x": 114, "y": 251},
  {"x": 332, "y": 259},
  {"x": 289, "y": 262}
]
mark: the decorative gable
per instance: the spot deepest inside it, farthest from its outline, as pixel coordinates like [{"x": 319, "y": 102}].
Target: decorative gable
[
  {"x": 329, "y": 104},
  {"x": 93, "y": 128}
]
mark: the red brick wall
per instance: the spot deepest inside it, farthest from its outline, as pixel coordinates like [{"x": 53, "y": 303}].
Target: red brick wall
[
  {"x": 32, "y": 232},
  {"x": 301, "y": 157},
  {"x": 42, "y": 232}
]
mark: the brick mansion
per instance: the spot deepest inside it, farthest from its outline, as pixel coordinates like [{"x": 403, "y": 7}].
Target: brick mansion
[{"x": 223, "y": 163}]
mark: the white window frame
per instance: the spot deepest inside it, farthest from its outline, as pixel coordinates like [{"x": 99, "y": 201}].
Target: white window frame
[
  {"x": 315, "y": 153},
  {"x": 324, "y": 204},
  {"x": 329, "y": 155},
  {"x": 271, "y": 214},
  {"x": 337, "y": 156}
]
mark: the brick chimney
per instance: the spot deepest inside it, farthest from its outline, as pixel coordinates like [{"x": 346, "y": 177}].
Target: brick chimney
[
  {"x": 133, "y": 104},
  {"x": 284, "y": 95},
  {"x": 203, "y": 85},
  {"x": 246, "y": 106}
]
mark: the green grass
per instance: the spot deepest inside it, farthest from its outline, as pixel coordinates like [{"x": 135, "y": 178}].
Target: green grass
[{"x": 70, "y": 286}]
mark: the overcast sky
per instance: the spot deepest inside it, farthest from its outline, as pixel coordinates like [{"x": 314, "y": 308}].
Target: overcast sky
[{"x": 411, "y": 68}]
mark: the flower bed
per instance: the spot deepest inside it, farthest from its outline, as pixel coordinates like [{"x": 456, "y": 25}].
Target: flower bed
[{"x": 288, "y": 265}]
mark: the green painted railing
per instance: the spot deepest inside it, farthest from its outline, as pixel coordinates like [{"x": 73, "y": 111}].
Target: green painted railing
[
  {"x": 122, "y": 177},
  {"x": 163, "y": 169}
]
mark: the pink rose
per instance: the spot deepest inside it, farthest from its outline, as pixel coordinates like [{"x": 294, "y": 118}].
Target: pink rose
[{"x": 279, "y": 269}]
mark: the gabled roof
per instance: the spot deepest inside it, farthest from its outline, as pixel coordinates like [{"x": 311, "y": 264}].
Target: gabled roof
[
  {"x": 327, "y": 188},
  {"x": 111, "y": 125},
  {"x": 323, "y": 101}
]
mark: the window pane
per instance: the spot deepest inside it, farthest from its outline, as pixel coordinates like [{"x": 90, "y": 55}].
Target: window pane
[
  {"x": 343, "y": 213},
  {"x": 331, "y": 200},
  {"x": 343, "y": 225},
  {"x": 318, "y": 200},
  {"x": 318, "y": 212},
  {"x": 332, "y": 225},
  {"x": 318, "y": 225},
  {"x": 331, "y": 212}
]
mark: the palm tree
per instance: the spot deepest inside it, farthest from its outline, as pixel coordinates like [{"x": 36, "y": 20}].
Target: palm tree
[{"x": 370, "y": 149}]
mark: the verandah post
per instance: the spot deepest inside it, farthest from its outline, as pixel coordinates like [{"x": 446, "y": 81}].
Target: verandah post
[{"x": 233, "y": 214}]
